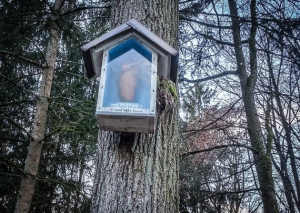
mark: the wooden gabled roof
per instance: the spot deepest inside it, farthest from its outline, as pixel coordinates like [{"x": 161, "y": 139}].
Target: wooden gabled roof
[{"x": 126, "y": 28}]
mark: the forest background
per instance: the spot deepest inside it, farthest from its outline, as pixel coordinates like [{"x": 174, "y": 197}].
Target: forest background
[{"x": 236, "y": 58}]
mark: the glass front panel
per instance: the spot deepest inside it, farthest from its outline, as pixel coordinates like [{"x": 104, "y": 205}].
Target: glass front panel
[{"x": 127, "y": 83}]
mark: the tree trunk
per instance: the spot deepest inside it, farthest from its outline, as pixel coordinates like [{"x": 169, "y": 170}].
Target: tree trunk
[
  {"x": 261, "y": 156},
  {"x": 283, "y": 170},
  {"x": 39, "y": 125},
  {"x": 139, "y": 172}
]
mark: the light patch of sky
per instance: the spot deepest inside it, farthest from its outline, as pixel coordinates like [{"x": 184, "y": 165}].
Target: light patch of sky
[
  {"x": 216, "y": 63},
  {"x": 291, "y": 9},
  {"x": 221, "y": 7}
]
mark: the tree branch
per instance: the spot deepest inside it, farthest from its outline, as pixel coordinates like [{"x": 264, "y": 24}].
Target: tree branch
[
  {"x": 16, "y": 102},
  {"x": 63, "y": 182},
  {"x": 85, "y": 8},
  {"x": 209, "y": 77},
  {"x": 40, "y": 51},
  {"x": 24, "y": 59},
  {"x": 203, "y": 128},
  {"x": 209, "y": 37},
  {"x": 52, "y": 133},
  {"x": 13, "y": 139},
  {"x": 12, "y": 164},
  {"x": 206, "y": 24},
  {"x": 11, "y": 81},
  {"x": 16, "y": 124},
  {"x": 217, "y": 147}
]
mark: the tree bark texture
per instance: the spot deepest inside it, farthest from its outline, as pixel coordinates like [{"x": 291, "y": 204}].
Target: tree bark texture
[
  {"x": 159, "y": 16},
  {"x": 139, "y": 172},
  {"x": 39, "y": 126},
  {"x": 262, "y": 158}
]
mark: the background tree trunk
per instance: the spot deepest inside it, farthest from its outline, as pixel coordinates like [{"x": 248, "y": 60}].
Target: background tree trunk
[
  {"x": 139, "y": 172},
  {"x": 39, "y": 126},
  {"x": 262, "y": 156}
]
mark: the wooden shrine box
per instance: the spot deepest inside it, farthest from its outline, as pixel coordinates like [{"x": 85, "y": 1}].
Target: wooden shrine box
[{"x": 128, "y": 60}]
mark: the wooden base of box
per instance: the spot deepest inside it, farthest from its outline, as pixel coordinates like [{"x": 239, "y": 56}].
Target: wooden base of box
[{"x": 121, "y": 123}]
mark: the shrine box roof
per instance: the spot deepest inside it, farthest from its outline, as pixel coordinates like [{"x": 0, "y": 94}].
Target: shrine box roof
[{"x": 167, "y": 62}]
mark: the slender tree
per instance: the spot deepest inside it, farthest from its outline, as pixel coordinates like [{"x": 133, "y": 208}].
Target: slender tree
[
  {"x": 67, "y": 145},
  {"x": 139, "y": 172},
  {"x": 237, "y": 33},
  {"x": 39, "y": 126},
  {"x": 261, "y": 157}
]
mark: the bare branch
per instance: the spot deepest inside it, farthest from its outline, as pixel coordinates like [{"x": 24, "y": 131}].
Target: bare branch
[
  {"x": 209, "y": 77},
  {"x": 203, "y": 128},
  {"x": 209, "y": 37},
  {"x": 217, "y": 147},
  {"x": 206, "y": 24}
]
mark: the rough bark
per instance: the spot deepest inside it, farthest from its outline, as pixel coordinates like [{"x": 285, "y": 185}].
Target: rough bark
[
  {"x": 139, "y": 172},
  {"x": 160, "y": 16},
  {"x": 262, "y": 158},
  {"x": 39, "y": 126}
]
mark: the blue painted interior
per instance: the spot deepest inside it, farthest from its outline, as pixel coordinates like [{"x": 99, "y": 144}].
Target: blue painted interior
[
  {"x": 128, "y": 45},
  {"x": 132, "y": 52}
]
